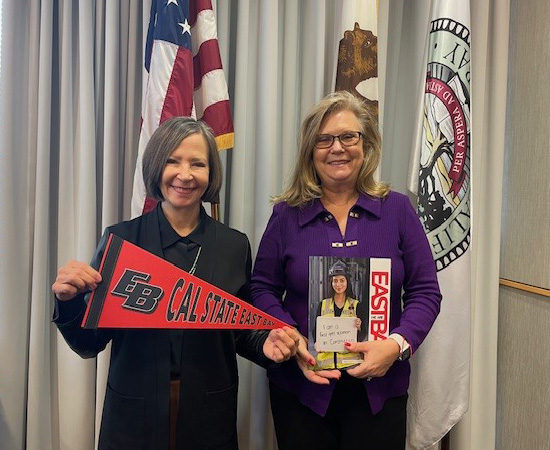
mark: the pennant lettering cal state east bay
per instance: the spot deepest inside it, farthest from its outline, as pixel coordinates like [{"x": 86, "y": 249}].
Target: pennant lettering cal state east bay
[{"x": 141, "y": 290}]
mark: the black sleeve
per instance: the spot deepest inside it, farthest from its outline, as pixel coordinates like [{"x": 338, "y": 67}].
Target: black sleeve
[
  {"x": 68, "y": 317},
  {"x": 250, "y": 342}
]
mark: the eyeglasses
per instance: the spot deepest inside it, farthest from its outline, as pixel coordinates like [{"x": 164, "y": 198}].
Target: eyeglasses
[{"x": 347, "y": 139}]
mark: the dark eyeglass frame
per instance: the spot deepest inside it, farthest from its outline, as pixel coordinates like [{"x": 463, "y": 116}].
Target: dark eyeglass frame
[{"x": 333, "y": 137}]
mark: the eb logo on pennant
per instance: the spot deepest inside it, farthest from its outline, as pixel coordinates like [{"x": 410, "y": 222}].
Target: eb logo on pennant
[{"x": 139, "y": 295}]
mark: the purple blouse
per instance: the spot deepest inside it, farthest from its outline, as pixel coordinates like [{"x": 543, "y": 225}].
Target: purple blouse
[{"x": 383, "y": 228}]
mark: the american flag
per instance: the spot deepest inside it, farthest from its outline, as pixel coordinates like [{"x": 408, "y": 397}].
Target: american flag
[{"x": 184, "y": 77}]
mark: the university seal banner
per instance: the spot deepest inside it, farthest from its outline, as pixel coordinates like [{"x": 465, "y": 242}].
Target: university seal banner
[
  {"x": 444, "y": 179},
  {"x": 440, "y": 376},
  {"x": 141, "y": 290}
]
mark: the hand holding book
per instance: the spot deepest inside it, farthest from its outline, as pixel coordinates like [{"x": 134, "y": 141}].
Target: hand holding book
[
  {"x": 378, "y": 357},
  {"x": 306, "y": 362}
]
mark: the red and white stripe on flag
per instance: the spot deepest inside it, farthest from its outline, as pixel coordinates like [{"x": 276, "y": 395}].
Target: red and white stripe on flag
[{"x": 184, "y": 78}]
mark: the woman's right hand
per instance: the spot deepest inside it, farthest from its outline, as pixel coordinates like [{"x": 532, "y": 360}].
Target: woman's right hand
[
  {"x": 306, "y": 362},
  {"x": 74, "y": 278}
]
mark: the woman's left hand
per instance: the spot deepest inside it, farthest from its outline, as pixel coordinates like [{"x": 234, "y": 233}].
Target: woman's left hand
[
  {"x": 281, "y": 344},
  {"x": 378, "y": 357}
]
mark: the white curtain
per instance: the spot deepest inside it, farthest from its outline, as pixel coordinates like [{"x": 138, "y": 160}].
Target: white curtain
[
  {"x": 69, "y": 108},
  {"x": 71, "y": 86},
  {"x": 284, "y": 56},
  {"x": 490, "y": 25}
]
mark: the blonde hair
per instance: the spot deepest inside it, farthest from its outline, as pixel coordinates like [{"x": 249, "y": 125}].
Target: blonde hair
[{"x": 305, "y": 184}]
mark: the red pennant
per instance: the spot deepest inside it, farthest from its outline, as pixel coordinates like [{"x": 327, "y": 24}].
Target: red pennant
[{"x": 141, "y": 290}]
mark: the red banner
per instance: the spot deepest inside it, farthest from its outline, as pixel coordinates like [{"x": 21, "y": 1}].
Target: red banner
[
  {"x": 141, "y": 290},
  {"x": 447, "y": 96},
  {"x": 379, "y": 294}
]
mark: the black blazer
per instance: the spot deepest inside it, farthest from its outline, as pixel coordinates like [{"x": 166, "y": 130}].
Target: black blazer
[{"x": 136, "y": 409}]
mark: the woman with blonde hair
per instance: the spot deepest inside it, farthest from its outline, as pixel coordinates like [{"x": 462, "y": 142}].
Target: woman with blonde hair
[{"x": 335, "y": 207}]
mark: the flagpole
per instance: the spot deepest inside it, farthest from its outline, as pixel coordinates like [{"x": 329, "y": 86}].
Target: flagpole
[
  {"x": 215, "y": 208},
  {"x": 215, "y": 211}
]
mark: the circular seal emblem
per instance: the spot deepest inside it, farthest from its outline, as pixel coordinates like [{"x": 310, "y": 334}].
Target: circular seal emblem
[{"x": 444, "y": 178}]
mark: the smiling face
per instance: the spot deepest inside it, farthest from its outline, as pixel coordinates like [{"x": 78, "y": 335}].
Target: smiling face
[
  {"x": 185, "y": 176},
  {"x": 339, "y": 284},
  {"x": 337, "y": 166}
]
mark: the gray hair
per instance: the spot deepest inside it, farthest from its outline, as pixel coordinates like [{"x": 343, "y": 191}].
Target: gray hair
[{"x": 166, "y": 138}]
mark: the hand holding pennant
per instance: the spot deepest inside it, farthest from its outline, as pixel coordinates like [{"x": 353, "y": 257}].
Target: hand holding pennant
[{"x": 141, "y": 290}]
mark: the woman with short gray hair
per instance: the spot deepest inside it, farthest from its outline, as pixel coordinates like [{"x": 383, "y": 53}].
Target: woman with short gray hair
[{"x": 173, "y": 389}]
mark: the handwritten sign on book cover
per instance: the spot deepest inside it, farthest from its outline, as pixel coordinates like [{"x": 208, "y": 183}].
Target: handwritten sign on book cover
[{"x": 349, "y": 301}]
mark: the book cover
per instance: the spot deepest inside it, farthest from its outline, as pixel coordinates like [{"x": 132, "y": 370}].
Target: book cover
[{"x": 349, "y": 301}]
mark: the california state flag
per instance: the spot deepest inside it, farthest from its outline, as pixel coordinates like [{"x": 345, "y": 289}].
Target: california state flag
[
  {"x": 357, "y": 67},
  {"x": 440, "y": 379}
]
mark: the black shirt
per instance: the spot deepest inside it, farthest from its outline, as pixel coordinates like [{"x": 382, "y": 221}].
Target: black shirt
[{"x": 183, "y": 252}]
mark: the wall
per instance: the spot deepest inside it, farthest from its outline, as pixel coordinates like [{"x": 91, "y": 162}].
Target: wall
[{"x": 523, "y": 386}]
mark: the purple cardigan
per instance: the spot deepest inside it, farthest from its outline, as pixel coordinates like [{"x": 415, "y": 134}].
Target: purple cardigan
[{"x": 384, "y": 228}]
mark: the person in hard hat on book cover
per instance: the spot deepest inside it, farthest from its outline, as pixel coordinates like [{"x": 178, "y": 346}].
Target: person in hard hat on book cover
[{"x": 342, "y": 303}]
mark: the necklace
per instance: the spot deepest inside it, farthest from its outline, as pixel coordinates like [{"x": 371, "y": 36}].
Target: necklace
[{"x": 194, "y": 266}]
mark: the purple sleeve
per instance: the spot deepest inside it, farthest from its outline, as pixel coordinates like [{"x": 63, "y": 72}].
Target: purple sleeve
[
  {"x": 421, "y": 295},
  {"x": 268, "y": 277}
]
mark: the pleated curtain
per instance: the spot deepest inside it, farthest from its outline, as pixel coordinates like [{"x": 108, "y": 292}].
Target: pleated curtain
[{"x": 70, "y": 95}]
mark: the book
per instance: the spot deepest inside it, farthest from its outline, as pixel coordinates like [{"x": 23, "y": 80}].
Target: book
[{"x": 349, "y": 301}]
